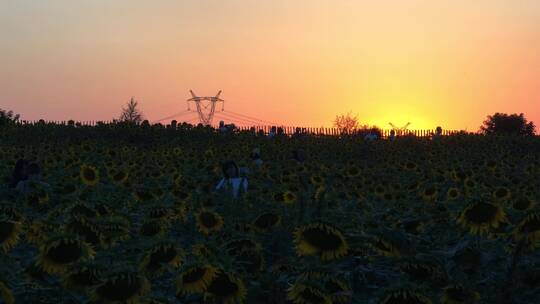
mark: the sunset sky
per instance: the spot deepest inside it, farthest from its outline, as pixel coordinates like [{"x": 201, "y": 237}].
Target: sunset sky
[{"x": 295, "y": 62}]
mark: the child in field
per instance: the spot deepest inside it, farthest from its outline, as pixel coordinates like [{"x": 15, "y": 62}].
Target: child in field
[{"x": 232, "y": 182}]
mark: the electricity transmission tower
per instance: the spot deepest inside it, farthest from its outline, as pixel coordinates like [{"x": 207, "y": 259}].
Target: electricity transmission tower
[
  {"x": 206, "y": 106},
  {"x": 400, "y": 129}
]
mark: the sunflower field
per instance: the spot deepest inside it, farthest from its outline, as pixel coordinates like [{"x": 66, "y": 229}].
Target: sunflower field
[{"x": 131, "y": 215}]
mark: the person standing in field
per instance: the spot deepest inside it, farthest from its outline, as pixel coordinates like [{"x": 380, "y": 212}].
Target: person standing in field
[
  {"x": 33, "y": 181},
  {"x": 256, "y": 157},
  {"x": 19, "y": 173},
  {"x": 232, "y": 183}
]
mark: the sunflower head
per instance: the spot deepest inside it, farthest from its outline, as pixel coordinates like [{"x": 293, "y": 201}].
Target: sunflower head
[
  {"x": 209, "y": 221},
  {"x": 195, "y": 279},
  {"x": 10, "y": 231},
  {"x": 163, "y": 254},
  {"x": 337, "y": 289},
  {"x": 405, "y": 296},
  {"x": 6, "y": 294},
  {"x": 226, "y": 288},
  {"x": 266, "y": 221},
  {"x": 85, "y": 230},
  {"x": 457, "y": 294},
  {"x": 420, "y": 271},
  {"x": 289, "y": 197},
  {"x": 89, "y": 175},
  {"x": 480, "y": 217},
  {"x": 59, "y": 252},
  {"x": 529, "y": 228},
  {"x": 152, "y": 228},
  {"x": 82, "y": 277},
  {"x": 321, "y": 240},
  {"x": 452, "y": 194},
  {"x": 122, "y": 287},
  {"x": 430, "y": 194},
  {"x": 501, "y": 194},
  {"x": 304, "y": 293},
  {"x": 119, "y": 177},
  {"x": 523, "y": 203}
]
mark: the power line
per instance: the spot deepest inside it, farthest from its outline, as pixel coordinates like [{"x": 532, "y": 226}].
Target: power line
[
  {"x": 174, "y": 115},
  {"x": 230, "y": 117},
  {"x": 252, "y": 118}
]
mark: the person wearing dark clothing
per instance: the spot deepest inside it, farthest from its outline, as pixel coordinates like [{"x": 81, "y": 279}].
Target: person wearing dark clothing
[
  {"x": 19, "y": 173},
  {"x": 232, "y": 182}
]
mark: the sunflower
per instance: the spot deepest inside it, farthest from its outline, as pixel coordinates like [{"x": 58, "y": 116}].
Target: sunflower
[
  {"x": 5, "y": 294},
  {"x": 226, "y": 288},
  {"x": 405, "y": 296},
  {"x": 9, "y": 233},
  {"x": 419, "y": 271},
  {"x": 163, "y": 254},
  {"x": 322, "y": 240},
  {"x": 59, "y": 252},
  {"x": 385, "y": 246},
  {"x": 501, "y": 194},
  {"x": 279, "y": 197},
  {"x": 119, "y": 177},
  {"x": 209, "y": 221},
  {"x": 81, "y": 210},
  {"x": 529, "y": 228},
  {"x": 122, "y": 287},
  {"x": 302, "y": 293},
  {"x": 89, "y": 175},
  {"x": 480, "y": 217},
  {"x": 531, "y": 277},
  {"x": 82, "y": 277},
  {"x": 152, "y": 228},
  {"x": 201, "y": 250},
  {"x": 414, "y": 226},
  {"x": 337, "y": 289},
  {"x": 143, "y": 195},
  {"x": 523, "y": 203},
  {"x": 37, "y": 232},
  {"x": 380, "y": 191},
  {"x": 84, "y": 229},
  {"x": 316, "y": 180},
  {"x": 410, "y": 166},
  {"x": 289, "y": 197},
  {"x": 456, "y": 294},
  {"x": 114, "y": 229},
  {"x": 266, "y": 221},
  {"x": 195, "y": 279},
  {"x": 430, "y": 194},
  {"x": 469, "y": 257},
  {"x": 452, "y": 194},
  {"x": 319, "y": 193},
  {"x": 352, "y": 171}
]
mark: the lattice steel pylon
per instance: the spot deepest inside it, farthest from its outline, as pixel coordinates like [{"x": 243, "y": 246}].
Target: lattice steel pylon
[
  {"x": 206, "y": 110},
  {"x": 402, "y": 129}
]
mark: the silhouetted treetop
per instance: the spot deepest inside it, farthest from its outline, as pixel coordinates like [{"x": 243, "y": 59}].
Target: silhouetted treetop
[
  {"x": 8, "y": 117},
  {"x": 131, "y": 112},
  {"x": 505, "y": 124}
]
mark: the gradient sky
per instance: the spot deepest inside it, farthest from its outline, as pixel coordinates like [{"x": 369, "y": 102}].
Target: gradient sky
[{"x": 296, "y": 62}]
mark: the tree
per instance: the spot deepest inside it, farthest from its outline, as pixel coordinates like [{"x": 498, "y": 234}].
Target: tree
[
  {"x": 8, "y": 117},
  {"x": 346, "y": 123},
  {"x": 504, "y": 124},
  {"x": 131, "y": 113}
]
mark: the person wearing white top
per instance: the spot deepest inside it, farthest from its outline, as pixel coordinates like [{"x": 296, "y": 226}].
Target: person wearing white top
[{"x": 232, "y": 181}]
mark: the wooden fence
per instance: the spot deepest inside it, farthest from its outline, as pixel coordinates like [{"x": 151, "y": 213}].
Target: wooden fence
[{"x": 287, "y": 130}]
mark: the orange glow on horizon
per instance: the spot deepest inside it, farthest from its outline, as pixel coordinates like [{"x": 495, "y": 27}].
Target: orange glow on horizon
[{"x": 431, "y": 63}]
